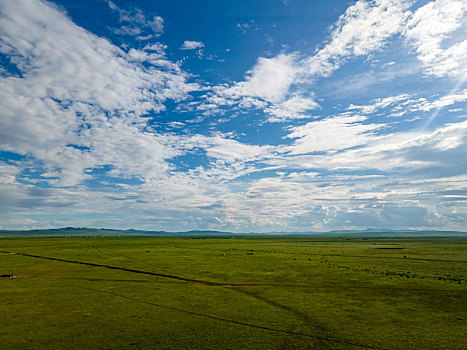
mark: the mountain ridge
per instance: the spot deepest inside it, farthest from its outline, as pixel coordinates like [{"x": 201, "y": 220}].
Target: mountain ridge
[{"x": 369, "y": 232}]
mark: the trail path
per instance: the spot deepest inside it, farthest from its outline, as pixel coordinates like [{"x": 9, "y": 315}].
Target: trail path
[{"x": 209, "y": 283}]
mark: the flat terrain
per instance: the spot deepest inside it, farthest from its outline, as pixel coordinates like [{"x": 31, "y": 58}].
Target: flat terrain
[{"x": 232, "y": 293}]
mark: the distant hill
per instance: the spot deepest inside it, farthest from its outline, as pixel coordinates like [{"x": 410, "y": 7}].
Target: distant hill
[
  {"x": 93, "y": 232},
  {"x": 85, "y": 231}
]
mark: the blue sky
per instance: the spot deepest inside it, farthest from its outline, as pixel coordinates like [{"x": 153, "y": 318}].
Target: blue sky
[{"x": 239, "y": 116}]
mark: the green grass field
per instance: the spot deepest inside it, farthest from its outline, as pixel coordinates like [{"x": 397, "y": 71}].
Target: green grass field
[{"x": 238, "y": 293}]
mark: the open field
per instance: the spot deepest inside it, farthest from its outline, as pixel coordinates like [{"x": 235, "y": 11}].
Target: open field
[{"x": 232, "y": 293}]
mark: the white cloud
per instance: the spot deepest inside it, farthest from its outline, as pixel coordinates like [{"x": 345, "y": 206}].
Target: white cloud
[
  {"x": 9, "y": 173},
  {"x": 331, "y": 134},
  {"x": 379, "y": 103},
  {"x": 402, "y": 150},
  {"x": 365, "y": 27},
  {"x": 131, "y": 150},
  {"x": 293, "y": 108},
  {"x": 75, "y": 85},
  {"x": 127, "y": 30},
  {"x": 157, "y": 24},
  {"x": 266, "y": 86},
  {"x": 447, "y": 100},
  {"x": 403, "y": 104},
  {"x": 137, "y": 21},
  {"x": 226, "y": 149},
  {"x": 191, "y": 45},
  {"x": 428, "y": 30},
  {"x": 269, "y": 79}
]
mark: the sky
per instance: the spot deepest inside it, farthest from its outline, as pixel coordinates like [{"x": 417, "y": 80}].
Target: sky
[{"x": 242, "y": 116}]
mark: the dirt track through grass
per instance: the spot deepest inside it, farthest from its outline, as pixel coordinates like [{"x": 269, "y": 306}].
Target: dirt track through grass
[
  {"x": 236, "y": 288},
  {"x": 239, "y": 294},
  {"x": 236, "y": 322},
  {"x": 179, "y": 278}
]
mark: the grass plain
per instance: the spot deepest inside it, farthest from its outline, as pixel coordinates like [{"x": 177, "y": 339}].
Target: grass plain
[{"x": 232, "y": 293}]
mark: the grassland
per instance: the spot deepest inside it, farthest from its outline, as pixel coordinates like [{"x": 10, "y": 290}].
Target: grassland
[{"x": 237, "y": 293}]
